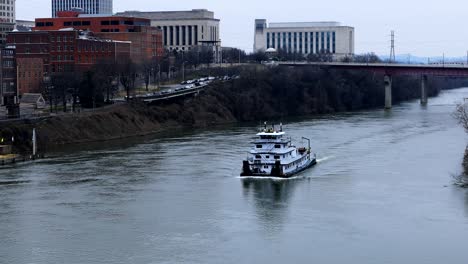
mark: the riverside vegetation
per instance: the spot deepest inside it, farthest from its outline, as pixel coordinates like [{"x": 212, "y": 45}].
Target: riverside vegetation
[
  {"x": 260, "y": 94},
  {"x": 461, "y": 114}
]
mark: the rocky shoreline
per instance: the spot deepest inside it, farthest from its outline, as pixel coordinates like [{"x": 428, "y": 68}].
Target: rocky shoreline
[{"x": 259, "y": 95}]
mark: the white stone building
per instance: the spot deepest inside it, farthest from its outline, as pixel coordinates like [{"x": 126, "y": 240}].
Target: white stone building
[
  {"x": 184, "y": 30},
  {"x": 7, "y": 18},
  {"x": 94, "y": 7},
  {"x": 305, "y": 37}
]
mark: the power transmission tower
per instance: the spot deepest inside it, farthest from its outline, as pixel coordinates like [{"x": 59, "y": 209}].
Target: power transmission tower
[{"x": 392, "y": 47}]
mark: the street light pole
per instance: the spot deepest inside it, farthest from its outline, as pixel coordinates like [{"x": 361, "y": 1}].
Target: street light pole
[
  {"x": 183, "y": 70},
  {"x": 159, "y": 76}
]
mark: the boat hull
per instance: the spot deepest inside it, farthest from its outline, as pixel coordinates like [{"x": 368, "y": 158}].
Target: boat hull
[{"x": 248, "y": 173}]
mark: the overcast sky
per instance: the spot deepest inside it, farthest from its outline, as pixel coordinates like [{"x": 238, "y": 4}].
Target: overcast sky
[{"x": 422, "y": 28}]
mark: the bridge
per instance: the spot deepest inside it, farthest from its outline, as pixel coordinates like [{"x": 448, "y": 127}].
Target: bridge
[{"x": 391, "y": 69}]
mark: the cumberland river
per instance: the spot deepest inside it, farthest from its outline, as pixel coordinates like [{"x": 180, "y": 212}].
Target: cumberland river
[{"x": 381, "y": 193}]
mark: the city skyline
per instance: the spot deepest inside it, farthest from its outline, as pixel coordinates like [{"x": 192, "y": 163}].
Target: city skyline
[{"x": 418, "y": 30}]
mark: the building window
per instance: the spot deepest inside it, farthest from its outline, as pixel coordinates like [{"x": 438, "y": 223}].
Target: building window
[
  {"x": 273, "y": 40},
  {"x": 334, "y": 42},
  {"x": 165, "y": 35},
  {"x": 177, "y": 35},
  {"x": 317, "y": 47},
  {"x": 259, "y": 146},
  {"x": 184, "y": 31},
  {"x": 171, "y": 35},
  {"x": 311, "y": 42},
  {"x": 328, "y": 42},
  {"x": 295, "y": 42},
  {"x": 284, "y": 41},
  {"x": 300, "y": 42},
  {"x": 190, "y": 35},
  {"x": 322, "y": 42},
  {"x": 268, "y": 40}
]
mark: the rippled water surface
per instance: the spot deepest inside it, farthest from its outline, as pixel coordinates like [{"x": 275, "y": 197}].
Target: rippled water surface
[{"x": 381, "y": 193}]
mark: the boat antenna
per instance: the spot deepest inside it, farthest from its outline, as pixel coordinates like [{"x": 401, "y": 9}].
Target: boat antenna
[
  {"x": 281, "y": 127},
  {"x": 265, "y": 125}
]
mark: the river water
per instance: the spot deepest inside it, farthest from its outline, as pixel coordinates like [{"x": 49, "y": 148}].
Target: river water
[{"x": 381, "y": 193}]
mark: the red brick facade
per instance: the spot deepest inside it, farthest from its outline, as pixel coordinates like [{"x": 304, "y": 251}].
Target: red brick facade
[
  {"x": 147, "y": 41},
  {"x": 59, "y": 51}
]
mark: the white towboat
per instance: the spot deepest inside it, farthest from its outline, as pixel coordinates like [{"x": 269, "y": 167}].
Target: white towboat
[{"x": 272, "y": 155}]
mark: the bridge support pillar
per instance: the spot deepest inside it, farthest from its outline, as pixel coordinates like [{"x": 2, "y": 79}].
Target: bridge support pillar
[
  {"x": 388, "y": 91},
  {"x": 424, "y": 90}
]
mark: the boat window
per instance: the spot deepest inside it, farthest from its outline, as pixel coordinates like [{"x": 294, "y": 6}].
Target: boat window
[
  {"x": 266, "y": 167},
  {"x": 277, "y": 157},
  {"x": 259, "y": 146},
  {"x": 267, "y": 157},
  {"x": 277, "y": 146},
  {"x": 258, "y": 157}
]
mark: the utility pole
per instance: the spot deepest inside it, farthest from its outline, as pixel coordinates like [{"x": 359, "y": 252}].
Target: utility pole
[{"x": 392, "y": 47}]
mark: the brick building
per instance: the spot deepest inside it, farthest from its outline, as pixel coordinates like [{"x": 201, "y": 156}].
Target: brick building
[
  {"x": 8, "y": 87},
  {"x": 146, "y": 40},
  {"x": 43, "y": 53}
]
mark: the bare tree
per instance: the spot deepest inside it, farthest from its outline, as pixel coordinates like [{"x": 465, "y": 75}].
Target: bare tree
[
  {"x": 127, "y": 75},
  {"x": 147, "y": 67},
  {"x": 105, "y": 74},
  {"x": 461, "y": 114}
]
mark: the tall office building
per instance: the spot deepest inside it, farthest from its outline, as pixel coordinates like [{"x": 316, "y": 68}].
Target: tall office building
[
  {"x": 7, "y": 18},
  {"x": 101, "y": 7},
  {"x": 304, "y": 37}
]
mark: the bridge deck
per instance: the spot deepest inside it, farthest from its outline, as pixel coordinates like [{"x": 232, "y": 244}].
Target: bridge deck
[{"x": 449, "y": 70}]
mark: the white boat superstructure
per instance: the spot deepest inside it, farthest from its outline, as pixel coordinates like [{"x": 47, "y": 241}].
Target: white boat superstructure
[{"x": 273, "y": 155}]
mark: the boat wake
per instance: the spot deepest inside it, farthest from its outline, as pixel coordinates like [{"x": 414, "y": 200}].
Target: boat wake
[
  {"x": 264, "y": 178},
  {"x": 325, "y": 159}
]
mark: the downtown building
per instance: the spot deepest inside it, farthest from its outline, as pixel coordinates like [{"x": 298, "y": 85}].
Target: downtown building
[
  {"x": 146, "y": 40},
  {"x": 93, "y": 7},
  {"x": 7, "y": 18},
  {"x": 304, "y": 38},
  {"x": 185, "y": 30},
  {"x": 38, "y": 54}
]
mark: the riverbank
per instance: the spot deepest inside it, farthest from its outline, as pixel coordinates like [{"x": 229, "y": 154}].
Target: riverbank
[
  {"x": 261, "y": 94},
  {"x": 464, "y": 181}
]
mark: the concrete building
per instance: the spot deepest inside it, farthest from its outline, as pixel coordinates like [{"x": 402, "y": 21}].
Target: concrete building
[
  {"x": 184, "y": 30},
  {"x": 24, "y": 25},
  {"x": 95, "y": 7},
  {"x": 304, "y": 37},
  {"x": 7, "y": 18}
]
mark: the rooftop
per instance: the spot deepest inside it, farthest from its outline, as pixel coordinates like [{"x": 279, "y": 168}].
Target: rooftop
[
  {"x": 171, "y": 15},
  {"x": 304, "y": 24}
]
